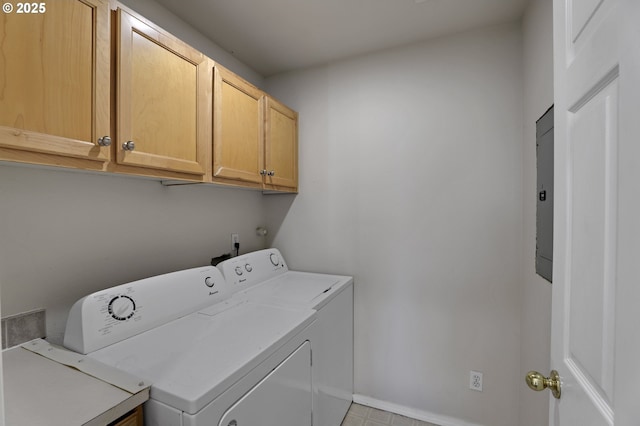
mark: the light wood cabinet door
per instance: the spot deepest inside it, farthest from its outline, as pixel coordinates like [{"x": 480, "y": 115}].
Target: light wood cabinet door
[
  {"x": 238, "y": 125},
  {"x": 281, "y": 146},
  {"x": 54, "y": 82},
  {"x": 163, "y": 98},
  {"x": 134, "y": 418}
]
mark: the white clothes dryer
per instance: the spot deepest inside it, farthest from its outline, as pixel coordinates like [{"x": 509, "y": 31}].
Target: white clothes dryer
[
  {"x": 211, "y": 360},
  {"x": 263, "y": 277}
]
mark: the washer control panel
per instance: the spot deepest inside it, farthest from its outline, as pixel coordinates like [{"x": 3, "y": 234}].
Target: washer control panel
[
  {"x": 209, "y": 282},
  {"x": 252, "y": 268},
  {"x": 109, "y": 316}
]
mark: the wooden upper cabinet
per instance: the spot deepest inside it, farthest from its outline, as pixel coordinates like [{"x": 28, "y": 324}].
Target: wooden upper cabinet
[
  {"x": 238, "y": 128},
  {"x": 85, "y": 86},
  {"x": 163, "y": 100},
  {"x": 281, "y": 146},
  {"x": 255, "y": 138},
  {"x": 54, "y": 83}
]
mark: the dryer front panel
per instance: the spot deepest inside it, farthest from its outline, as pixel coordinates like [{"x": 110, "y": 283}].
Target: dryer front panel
[{"x": 282, "y": 398}]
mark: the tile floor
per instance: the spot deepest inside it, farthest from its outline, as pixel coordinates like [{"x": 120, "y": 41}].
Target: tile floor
[{"x": 360, "y": 415}]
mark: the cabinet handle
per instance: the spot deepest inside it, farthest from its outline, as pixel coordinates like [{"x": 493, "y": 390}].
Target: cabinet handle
[
  {"x": 104, "y": 141},
  {"x": 129, "y": 146},
  {"x": 271, "y": 173},
  {"x": 263, "y": 172}
]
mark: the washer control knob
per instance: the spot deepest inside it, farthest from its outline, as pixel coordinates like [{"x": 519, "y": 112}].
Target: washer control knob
[
  {"x": 238, "y": 270},
  {"x": 122, "y": 308},
  {"x": 209, "y": 282},
  {"x": 248, "y": 267},
  {"x": 275, "y": 259}
]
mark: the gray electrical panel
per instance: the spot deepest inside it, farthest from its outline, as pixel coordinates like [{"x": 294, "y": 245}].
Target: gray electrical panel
[{"x": 544, "y": 205}]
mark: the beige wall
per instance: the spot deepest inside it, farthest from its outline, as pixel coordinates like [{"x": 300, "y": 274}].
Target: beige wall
[{"x": 411, "y": 181}]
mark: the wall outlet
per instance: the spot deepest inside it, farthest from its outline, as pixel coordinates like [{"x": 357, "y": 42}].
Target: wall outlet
[
  {"x": 475, "y": 381},
  {"x": 235, "y": 238}
]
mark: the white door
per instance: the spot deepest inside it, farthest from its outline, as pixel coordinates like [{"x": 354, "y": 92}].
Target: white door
[{"x": 595, "y": 325}]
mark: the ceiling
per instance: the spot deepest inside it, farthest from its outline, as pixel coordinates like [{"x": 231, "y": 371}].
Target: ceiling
[{"x": 273, "y": 36}]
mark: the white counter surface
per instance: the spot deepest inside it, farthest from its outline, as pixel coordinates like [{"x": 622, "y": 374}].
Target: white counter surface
[{"x": 39, "y": 391}]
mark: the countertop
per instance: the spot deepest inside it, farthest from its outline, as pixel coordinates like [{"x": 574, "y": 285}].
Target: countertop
[{"x": 40, "y": 391}]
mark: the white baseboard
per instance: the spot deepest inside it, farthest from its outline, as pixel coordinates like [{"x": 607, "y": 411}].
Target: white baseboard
[{"x": 410, "y": 412}]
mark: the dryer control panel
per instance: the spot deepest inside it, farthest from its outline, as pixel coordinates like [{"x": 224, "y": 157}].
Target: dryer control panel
[
  {"x": 117, "y": 313},
  {"x": 244, "y": 271}
]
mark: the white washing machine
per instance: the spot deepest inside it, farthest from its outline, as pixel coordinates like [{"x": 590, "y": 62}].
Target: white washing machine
[
  {"x": 211, "y": 360},
  {"x": 263, "y": 276}
]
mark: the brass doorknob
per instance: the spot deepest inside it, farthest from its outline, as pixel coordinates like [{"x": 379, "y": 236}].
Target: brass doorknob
[{"x": 538, "y": 382}]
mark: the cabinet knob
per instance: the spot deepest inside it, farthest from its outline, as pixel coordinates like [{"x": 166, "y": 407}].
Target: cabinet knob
[
  {"x": 129, "y": 146},
  {"x": 271, "y": 173},
  {"x": 263, "y": 172},
  {"x": 104, "y": 141}
]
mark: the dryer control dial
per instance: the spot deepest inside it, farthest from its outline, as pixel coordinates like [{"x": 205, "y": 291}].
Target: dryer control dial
[
  {"x": 238, "y": 270},
  {"x": 248, "y": 267},
  {"x": 275, "y": 259},
  {"x": 122, "y": 307}
]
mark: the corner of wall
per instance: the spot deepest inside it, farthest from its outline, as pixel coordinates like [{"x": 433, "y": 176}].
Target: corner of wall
[{"x": 537, "y": 70}]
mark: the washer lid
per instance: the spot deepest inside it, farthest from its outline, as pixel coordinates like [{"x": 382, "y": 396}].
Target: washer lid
[
  {"x": 194, "y": 359},
  {"x": 298, "y": 288}
]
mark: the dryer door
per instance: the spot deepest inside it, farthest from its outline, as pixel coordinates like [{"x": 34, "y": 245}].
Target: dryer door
[{"x": 282, "y": 398}]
